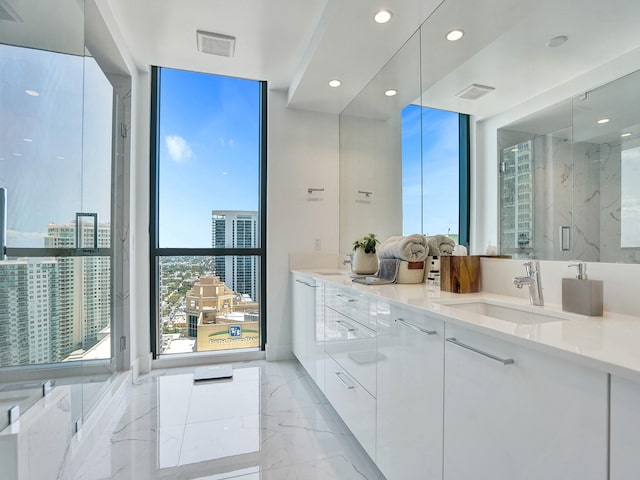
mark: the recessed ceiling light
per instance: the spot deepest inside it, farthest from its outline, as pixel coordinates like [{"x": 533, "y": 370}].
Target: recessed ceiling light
[
  {"x": 1, "y": 158},
  {"x": 28, "y": 140},
  {"x": 454, "y": 35},
  {"x": 335, "y": 83},
  {"x": 557, "y": 41},
  {"x": 59, "y": 158},
  {"x": 604, "y": 120},
  {"x": 382, "y": 16},
  {"x": 391, "y": 92},
  {"x": 15, "y": 154},
  {"x": 627, "y": 134},
  {"x": 32, "y": 93}
]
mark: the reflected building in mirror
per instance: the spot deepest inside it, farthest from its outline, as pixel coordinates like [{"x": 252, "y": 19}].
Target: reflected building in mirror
[{"x": 517, "y": 199}]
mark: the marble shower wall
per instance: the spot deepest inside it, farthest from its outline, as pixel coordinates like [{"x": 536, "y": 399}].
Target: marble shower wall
[{"x": 586, "y": 241}]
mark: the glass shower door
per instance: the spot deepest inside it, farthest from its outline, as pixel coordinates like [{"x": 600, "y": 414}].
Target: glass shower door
[{"x": 55, "y": 164}]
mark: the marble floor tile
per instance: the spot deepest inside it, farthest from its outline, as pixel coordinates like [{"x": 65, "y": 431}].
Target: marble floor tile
[{"x": 269, "y": 422}]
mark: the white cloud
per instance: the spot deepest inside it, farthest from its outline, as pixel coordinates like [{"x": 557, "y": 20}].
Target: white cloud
[
  {"x": 179, "y": 149},
  {"x": 228, "y": 142}
]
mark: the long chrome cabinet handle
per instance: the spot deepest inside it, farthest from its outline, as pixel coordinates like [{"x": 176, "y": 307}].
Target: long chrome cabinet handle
[
  {"x": 402, "y": 321},
  {"x": 347, "y": 326},
  {"x": 307, "y": 284},
  {"x": 344, "y": 382},
  {"x": 504, "y": 361}
]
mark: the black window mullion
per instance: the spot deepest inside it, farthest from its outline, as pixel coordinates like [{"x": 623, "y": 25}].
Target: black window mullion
[
  {"x": 263, "y": 213},
  {"x": 206, "y": 252},
  {"x": 465, "y": 179},
  {"x": 154, "y": 309}
]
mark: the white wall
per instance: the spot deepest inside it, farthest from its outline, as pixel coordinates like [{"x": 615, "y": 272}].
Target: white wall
[
  {"x": 303, "y": 153},
  {"x": 370, "y": 161}
]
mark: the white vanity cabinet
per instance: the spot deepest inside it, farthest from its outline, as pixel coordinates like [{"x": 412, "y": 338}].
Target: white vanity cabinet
[
  {"x": 625, "y": 429},
  {"x": 350, "y": 365},
  {"x": 514, "y": 413},
  {"x": 409, "y": 398},
  {"x": 308, "y": 325}
]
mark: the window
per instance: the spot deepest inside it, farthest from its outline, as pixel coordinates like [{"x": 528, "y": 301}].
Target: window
[
  {"x": 208, "y": 213},
  {"x": 435, "y": 172}
]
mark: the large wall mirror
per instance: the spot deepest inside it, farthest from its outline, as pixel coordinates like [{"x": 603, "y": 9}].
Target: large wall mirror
[
  {"x": 569, "y": 185},
  {"x": 529, "y": 75}
]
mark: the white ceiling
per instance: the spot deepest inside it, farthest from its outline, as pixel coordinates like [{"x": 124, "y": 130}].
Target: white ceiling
[
  {"x": 296, "y": 45},
  {"x": 299, "y": 45}
]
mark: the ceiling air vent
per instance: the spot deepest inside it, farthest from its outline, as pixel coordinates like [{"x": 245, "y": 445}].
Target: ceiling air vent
[
  {"x": 215, "y": 43},
  {"x": 474, "y": 91},
  {"x": 8, "y": 13}
]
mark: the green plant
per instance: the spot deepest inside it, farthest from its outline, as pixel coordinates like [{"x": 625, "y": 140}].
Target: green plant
[{"x": 368, "y": 243}]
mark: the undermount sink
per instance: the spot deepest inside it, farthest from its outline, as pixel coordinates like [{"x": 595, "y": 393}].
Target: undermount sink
[{"x": 525, "y": 315}]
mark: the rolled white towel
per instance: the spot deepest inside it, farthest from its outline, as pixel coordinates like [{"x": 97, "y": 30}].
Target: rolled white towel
[
  {"x": 440, "y": 245},
  {"x": 411, "y": 248}
]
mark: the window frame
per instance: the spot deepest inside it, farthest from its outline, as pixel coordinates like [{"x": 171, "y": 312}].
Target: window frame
[{"x": 155, "y": 252}]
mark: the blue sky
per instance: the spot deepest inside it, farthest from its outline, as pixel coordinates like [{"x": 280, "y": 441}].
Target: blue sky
[
  {"x": 435, "y": 134},
  {"x": 209, "y": 152}
]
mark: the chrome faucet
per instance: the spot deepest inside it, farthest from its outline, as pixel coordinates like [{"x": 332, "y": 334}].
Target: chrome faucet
[{"x": 533, "y": 280}]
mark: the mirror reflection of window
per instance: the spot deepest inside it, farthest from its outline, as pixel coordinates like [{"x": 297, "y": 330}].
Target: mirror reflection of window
[
  {"x": 517, "y": 197},
  {"x": 430, "y": 171},
  {"x": 630, "y": 201}
]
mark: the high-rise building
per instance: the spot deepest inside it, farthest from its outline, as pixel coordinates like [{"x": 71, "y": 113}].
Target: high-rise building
[
  {"x": 84, "y": 287},
  {"x": 517, "y": 198},
  {"x": 28, "y": 311},
  {"x": 236, "y": 229},
  {"x": 208, "y": 299}
]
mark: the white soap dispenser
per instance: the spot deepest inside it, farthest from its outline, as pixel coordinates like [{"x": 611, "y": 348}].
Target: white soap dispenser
[{"x": 581, "y": 295}]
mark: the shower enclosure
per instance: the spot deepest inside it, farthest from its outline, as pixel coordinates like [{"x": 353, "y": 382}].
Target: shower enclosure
[{"x": 61, "y": 147}]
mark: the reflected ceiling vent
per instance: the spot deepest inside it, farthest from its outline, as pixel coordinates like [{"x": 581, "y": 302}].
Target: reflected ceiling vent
[
  {"x": 215, "y": 43},
  {"x": 8, "y": 13},
  {"x": 474, "y": 91}
]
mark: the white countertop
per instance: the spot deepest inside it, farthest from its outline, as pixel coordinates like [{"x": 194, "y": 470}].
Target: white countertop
[{"x": 610, "y": 343}]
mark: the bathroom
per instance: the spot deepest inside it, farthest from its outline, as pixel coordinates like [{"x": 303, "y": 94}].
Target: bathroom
[{"x": 429, "y": 73}]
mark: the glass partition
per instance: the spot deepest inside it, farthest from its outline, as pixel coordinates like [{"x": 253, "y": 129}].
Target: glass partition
[{"x": 56, "y": 157}]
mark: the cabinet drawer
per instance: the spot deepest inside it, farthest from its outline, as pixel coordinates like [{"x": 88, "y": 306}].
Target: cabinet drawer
[
  {"x": 354, "y": 404},
  {"x": 353, "y": 346},
  {"x": 353, "y": 304}
]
